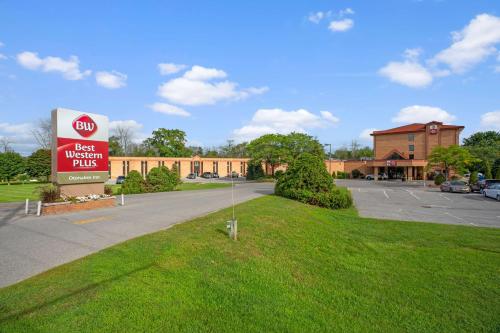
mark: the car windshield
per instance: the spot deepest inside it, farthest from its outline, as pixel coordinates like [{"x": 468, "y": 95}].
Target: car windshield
[{"x": 458, "y": 182}]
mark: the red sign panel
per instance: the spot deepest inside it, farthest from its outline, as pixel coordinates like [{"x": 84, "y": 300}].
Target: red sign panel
[
  {"x": 75, "y": 155},
  {"x": 85, "y": 126},
  {"x": 391, "y": 163}
]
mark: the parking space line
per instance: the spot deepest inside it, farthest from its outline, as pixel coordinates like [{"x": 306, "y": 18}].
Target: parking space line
[
  {"x": 442, "y": 195},
  {"x": 386, "y": 195},
  {"x": 412, "y": 194}
]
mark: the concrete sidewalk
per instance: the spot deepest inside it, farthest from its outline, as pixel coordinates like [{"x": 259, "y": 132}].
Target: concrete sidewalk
[{"x": 30, "y": 245}]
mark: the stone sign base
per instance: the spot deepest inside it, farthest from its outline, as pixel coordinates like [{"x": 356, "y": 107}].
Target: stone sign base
[
  {"x": 68, "y": 207},
  {"x": 79, "y": 190}
]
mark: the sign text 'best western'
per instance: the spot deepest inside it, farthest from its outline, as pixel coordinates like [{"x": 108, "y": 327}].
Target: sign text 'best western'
[{"x": 81, "y": 147}]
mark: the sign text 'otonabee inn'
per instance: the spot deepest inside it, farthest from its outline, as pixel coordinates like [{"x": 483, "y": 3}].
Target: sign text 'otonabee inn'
[{"x": 81, "y": 147}]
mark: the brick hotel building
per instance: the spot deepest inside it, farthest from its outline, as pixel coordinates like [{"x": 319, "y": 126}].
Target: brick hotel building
[{"x": 399, "y": 152}]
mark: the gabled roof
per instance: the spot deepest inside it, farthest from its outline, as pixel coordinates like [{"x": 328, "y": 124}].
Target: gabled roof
[{"x": 416, "y": 127}]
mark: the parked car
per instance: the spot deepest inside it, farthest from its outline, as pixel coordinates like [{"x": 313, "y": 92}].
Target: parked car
[
  {"x": 120, "y": 179},
  {"x": 475, "y": 187},
  {"x": 234, "y": 174},
  {"x": 206, "y": 175},
  {"x": 215, "y": 175},
  {"x": 191, "y": 176},
  {"x": 486, "y": 183},
  {"x": 370, "y": 177},
  {"x": 383, "y": 176},
  {"x": 458, "y": 186},
  {"x": 492, "y": 191}
]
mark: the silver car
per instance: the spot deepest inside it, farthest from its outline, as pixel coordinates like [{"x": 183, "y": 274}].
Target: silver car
[
  {"x": 492, "y": 192},
  {"x": 458, "y": 186}
]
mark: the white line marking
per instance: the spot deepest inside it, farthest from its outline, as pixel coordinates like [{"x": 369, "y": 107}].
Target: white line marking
[
  {"x": 442, "y": 195},
  {"x": 386, "y": 195},
  {"x": 412, "y": 194},
  {"x": 458, "y": 218}
]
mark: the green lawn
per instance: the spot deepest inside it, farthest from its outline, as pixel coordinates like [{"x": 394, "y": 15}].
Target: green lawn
[
  {"x": 19, "y": 192},
  {"x": 295, "y": 268}
]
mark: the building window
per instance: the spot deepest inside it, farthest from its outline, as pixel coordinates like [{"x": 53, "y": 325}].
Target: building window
[
  {"x": 411, "y": 137},
  {"x": 146, "y": 167},
  {"x": 412, "y": 156},
  {"x": 411, "y": 148},
  {"x": 216, "y": 166},
  {"x": 228, "y": 167},
  {"x": 123, "y": 168}
]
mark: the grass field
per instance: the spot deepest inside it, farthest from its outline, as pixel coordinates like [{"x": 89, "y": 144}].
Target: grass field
[
  {"x": 295, "y": 268},
  {"x": 20, "y": 192}
]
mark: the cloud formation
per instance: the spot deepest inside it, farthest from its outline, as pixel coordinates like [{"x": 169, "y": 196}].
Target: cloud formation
[
  {"x": 168, "y": 109},
  {"x": 491, "y": 120},
  {"x": 170, "y": 68},
  {"x": 200, "y": 86},
  {"x": 341, "y": 25},
  {"x": 69, "y": 69},
  {"x": 366, "y": 134},
  {"x": 266, "y": 121},
  {"x": 422, "y": 114},
  {"x": 111, "y": 80}
]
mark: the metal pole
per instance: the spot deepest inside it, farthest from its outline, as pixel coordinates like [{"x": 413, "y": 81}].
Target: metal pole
[
  {"x": 123, "y": 200},
  {"x": 27, "y": 206},
  {"x": 39, "y": 208}
]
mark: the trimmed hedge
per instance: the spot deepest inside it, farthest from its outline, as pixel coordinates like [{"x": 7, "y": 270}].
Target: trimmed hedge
[
  {"x": 134, "y": 183},
  {"x": 337, "y": 198},
  {"x": 161, "y": 179}
]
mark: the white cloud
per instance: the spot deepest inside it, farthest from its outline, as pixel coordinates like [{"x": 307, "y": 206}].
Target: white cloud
[
  {"x": 3, "y": 56},
  {"x": 316, "y": 17},
  {"x": 168, "y": 109},
  {"x": 497, "y": 69},
  {"x": 341, "y": 25},
  {"x": 366, "y": 133},
  {"x": 111, "y": 80},
  {"x": 409, "y": 73},
  {"x": 422, "y": 114},
  {"x": 132, "y": 124},
  {"x": 491, "y": 120},
  {"x": 347, "y": 11},
  {"x": 471, "y": 45},
  {"x": 266, "y": 121},
  {"x": 195, "y": 87},
  {"x": 19, "y": 136},
  {"x": 170, "y": 68},
  {"x": 70, "y": 69}
]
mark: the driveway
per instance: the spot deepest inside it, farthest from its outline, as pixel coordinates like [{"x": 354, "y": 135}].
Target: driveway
[
  {"x": 414, "y": 202},
  {"x": 30, "y": 245}
]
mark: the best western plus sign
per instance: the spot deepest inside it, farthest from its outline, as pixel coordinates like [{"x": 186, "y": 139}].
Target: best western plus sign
[{"x": 79, "y": 151}]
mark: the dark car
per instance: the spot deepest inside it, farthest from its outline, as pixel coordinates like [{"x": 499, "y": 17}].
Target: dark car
[
  {"x": 120, "y": 179},
  {"x": 215, "y": 175},
  {"x": 206, "y": 175},
  {"x": 486, "y": 183},
  {"x": 455, "y": 186},
  {"x": 234, "y": 174},
  {"x": 191, "y": 176}
]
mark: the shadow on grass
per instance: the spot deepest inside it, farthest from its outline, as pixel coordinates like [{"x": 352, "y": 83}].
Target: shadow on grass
[{"x": 89, "y": 287}]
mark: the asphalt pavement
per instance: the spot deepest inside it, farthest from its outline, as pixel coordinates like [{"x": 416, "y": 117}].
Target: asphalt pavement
[
  {"x": 396, "y": 200},
  {"x": 30, "y": 245}
]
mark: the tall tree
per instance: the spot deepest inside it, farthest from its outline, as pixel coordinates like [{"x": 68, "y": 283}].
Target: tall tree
[
  {"x": 168, "y": 143},
  {"x": 114, "y": 147},
  {"x": 451, "y": 158},
  {"x": 38, "y": 164},
  {"x": 5, "y": 144},
  {"x": 124, "y": 136},
  {"x": 11, "y": 165},
  {"x": 270, "y": 149},
  {"x": 230, "y": 149},
  {"x": 42, "y": 132},
  {"x": 485, "y": 146},
  {"x": 298, "y": 143}
]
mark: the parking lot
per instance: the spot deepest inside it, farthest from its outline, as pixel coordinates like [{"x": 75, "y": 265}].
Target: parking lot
[{"x": 413, "y": 202}]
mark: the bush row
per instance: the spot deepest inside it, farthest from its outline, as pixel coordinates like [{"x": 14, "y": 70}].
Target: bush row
[
  {"x": 335, "y": 199},
  {"x": 159, "y": 179}
]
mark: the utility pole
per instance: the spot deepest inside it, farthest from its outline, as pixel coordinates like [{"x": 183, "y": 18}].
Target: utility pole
[{"x": 329, "y": 157}]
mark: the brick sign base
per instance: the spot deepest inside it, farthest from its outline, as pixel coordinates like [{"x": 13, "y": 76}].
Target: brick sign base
[{"x": 68, "y": 207}]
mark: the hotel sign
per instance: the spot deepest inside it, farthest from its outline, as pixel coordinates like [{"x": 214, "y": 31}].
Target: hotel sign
[
  {"x": 391, "y": 163},
  {"x": 80, "y": 147},
  {"x": 433, "y": 129}
]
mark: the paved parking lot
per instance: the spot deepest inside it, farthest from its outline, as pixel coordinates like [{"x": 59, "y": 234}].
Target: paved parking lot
[{"x": 413, "y": 202}]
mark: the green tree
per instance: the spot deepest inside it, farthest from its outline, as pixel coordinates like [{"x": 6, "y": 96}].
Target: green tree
[
  {"x": 485, "y": 147},
  {"x": 11, "y": 165},
  {"x": 38, "y": 164},
  {"x": 295, "y": 144},
  {"x": 488, "y": 138},
  {"x": 451, "y": 158},
  {"x": 168, "y": 143},
  {"x": 230, "y": 149},
  {"x": 254, "y": 170},
  {"x": 487, "y": 171},
  {"x": 161, "y": 179},
  {"x": 195, "y": 151},
  {"x": 270, "y": 149},
  {"x": 114, "y": 147}
]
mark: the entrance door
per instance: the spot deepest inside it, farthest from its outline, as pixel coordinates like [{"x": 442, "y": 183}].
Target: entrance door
[{"x": 395, "y": 172}]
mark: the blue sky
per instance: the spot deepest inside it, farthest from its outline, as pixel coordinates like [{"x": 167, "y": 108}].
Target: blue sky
[{"x": 333, "y": 69}]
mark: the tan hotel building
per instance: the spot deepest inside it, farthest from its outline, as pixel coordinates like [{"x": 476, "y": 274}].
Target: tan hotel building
[{"x": 399, "y": 152}]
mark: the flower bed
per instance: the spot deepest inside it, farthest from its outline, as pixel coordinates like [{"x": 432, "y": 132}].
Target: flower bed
[{"x": 92, "y": 201}]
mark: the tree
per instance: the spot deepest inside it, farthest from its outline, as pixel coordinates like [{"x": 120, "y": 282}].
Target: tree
[
  {"x": 11, "y": 165},
  {"x": 38, "y": 164},
  {"x": 254, "y": 170},
  {"x": 488, "y": 138},
  {"x": 211, "y": 153},
  {"x": 296, "y": 144},
  {"x": 168, "y": 143},
  {"x": 269, "y": 149},
  {"x": 487, "y": 171},
  {"x": 43, "y": 133},
  {"x": 123, "y": 135},
  {"x": 450, "y": 158},
  {"x": 114, "y": 147},
  {"x": 485, "y": 146},
  {"x": 230, "y": 149},
  {"x": 195, "y": 151},
  {"x": 5, "y": 144}
]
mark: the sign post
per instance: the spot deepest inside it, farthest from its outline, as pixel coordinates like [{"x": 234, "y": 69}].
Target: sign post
[{"x": 79, "y": 152}]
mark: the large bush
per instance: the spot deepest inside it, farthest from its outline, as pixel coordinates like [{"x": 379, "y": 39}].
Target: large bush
[
  {"x": 439, "y": 179},
  {"x": 134, "y": 183},
  {"x": 307, "y": 180},
  {"x": 161, "y": 179},
  {"x": 356, "y": 174},
  {"x": 254, "y": 170}
]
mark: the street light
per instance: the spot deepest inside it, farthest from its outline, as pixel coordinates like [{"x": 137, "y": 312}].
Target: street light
[{"x": 329, "y": 157}]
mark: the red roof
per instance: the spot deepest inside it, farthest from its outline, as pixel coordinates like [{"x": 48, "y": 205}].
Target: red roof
[{"x": 417, "y": 127}]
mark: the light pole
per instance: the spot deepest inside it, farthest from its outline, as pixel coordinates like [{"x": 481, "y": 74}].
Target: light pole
[{"x": 329, "y": 157}]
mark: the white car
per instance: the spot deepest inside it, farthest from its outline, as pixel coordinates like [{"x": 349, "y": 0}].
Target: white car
[{"x": 492, "y": 192}]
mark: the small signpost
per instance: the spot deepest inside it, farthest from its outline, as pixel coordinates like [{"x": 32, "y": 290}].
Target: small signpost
[{"x": 79, "y": 152}]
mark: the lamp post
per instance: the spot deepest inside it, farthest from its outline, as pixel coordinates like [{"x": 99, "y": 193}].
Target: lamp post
[{"x": 329, "y": 157}]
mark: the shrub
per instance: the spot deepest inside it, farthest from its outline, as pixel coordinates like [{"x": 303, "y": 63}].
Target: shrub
[
  {"x": 161, "y": 179},
  {"x": 254, "y": 170},
  {"x": 439, "y": 179},
  {"x": 334, "y": 175},
  {"x": 335, "y": 199},
  {"x": 134, "y": 183},
  {"x": 278, "y": 174},
  {"x": 473, "y": 177},
  {"x": 356, "y": 173},
  {"x": 49, "y": 193},
  {"x": 108, "y": 190}
]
